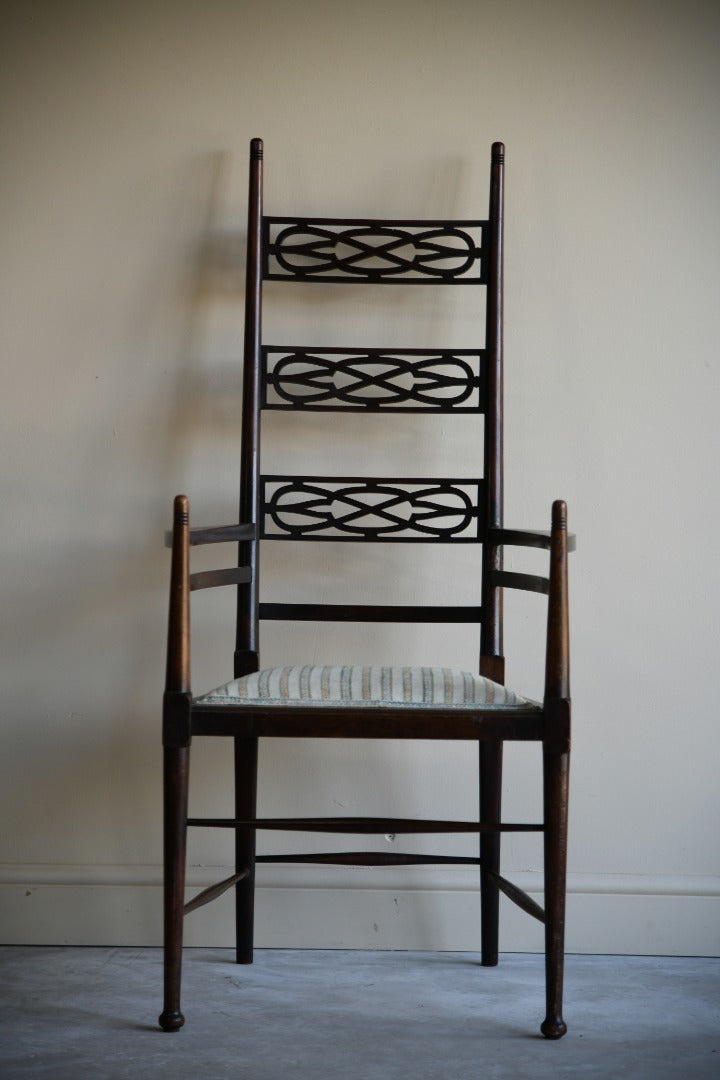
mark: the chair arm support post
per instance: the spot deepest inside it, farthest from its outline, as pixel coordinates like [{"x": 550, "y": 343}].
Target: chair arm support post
[
  {"x": 177, "y": 678},
  {"x": 557, "y": 657}
]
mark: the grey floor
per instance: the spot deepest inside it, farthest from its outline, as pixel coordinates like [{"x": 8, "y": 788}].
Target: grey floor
[{"x": 68, "y": 1012}]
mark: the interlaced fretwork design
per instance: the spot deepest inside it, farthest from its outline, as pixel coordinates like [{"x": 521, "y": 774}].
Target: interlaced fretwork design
[
  {"x": 373, "y": 379},
  {"x": 324, "y": 249},
  {"x": 350, "y": 508}
]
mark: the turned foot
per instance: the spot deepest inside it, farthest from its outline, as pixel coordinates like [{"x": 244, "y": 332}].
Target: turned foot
[
  {"x": 171, "y": 1020},
  {"x": 553, "y": 1028}
]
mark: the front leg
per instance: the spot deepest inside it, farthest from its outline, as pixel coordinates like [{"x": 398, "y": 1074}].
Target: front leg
[
  {"x": 555, "y": 778},
  {"x": 176, "y": 767}
]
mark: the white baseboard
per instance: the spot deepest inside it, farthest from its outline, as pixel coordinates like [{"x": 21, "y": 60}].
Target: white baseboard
[{"x": 326, "y": 907}]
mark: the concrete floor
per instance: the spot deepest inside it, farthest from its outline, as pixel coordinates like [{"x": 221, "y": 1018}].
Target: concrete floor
[{"x": 73, "y": 1013}]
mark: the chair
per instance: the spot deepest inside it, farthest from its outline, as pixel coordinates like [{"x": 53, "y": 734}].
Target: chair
[{"x": 370, "y": 702}]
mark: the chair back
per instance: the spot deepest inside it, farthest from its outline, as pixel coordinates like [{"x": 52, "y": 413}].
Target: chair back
[{"x": 297, "y": 378}]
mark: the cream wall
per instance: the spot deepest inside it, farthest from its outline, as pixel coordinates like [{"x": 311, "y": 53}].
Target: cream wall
[{"x": 124, "y": 141}]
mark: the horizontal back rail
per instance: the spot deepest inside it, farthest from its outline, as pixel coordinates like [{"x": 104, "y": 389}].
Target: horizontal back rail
[
  {"x": 370, "y": 613},
  {"x": 369, "y": 380},
  {"x": 374, "y": 251},
  {"x": 378, "y": 509}
]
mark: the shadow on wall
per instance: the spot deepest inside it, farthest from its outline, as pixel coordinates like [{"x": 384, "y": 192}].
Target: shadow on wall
[
  {"x": 85, "y": 592},
  {"x": 86, "y": 622},
  {"x": 203, "y": 431}
]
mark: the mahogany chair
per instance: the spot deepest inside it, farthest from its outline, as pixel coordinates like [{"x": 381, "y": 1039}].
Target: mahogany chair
[{"x": 370, "y": 702}]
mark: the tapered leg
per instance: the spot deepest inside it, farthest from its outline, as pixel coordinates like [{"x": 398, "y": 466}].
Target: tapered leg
[
  {"x": 555, "y": 775},
  {"x": 491, "y": 755},
  {"x": 175, "y": 798},
  {"x": 246, "y": 758}
]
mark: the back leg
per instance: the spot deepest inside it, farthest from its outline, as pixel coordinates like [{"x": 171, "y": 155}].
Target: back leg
[
  {"x": 246, "y": 759},
  {"x": 555, "y": 776},
  {"x": 175, "y": 800},
  {"x": 491, "y": 755}
]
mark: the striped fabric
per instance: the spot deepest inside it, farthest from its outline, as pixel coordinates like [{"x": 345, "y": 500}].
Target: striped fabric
[{"x": 419, "y": 686}]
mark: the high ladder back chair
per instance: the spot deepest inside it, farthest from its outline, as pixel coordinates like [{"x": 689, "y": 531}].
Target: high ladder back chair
[{"x": 360, "y": 702}]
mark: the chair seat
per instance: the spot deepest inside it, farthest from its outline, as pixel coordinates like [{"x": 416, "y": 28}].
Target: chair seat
[{"x": 354, "y": 685}]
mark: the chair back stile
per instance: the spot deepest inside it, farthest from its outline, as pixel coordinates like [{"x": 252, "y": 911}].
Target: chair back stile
[
  {"x": 247, "y": 631},
  {"x": 492, "y": 662}
]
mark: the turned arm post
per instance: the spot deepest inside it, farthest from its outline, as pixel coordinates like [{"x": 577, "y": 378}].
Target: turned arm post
[
  {"x": 177, "y": 677},
  {"x": 557, "y": 660},
  {"x": 557, "y": 657}
]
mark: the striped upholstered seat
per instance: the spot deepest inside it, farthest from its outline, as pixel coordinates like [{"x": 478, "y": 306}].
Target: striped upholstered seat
[{"x": 365, "y": 686}]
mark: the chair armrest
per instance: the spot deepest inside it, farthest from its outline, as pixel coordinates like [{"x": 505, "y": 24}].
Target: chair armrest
[
  {"x": 182, "y": 583},
  {"x": 557, "y": 653},
  {"x": 217, "y": 534},
  {"x": 526, "y": 538}
]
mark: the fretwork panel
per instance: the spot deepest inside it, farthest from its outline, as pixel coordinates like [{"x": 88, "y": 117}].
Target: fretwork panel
[
  {"x": 367, "y": 380},
  {"x": 354, "y": 508},
  {"x": 326, "y": 249}
]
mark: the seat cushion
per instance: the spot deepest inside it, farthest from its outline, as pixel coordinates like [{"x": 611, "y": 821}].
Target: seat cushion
[{"x": 355, "y": 685}]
